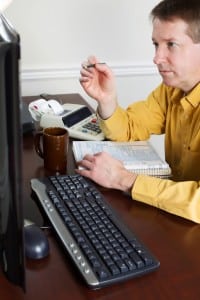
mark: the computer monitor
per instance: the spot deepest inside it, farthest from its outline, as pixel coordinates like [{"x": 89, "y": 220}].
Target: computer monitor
[{"x": 11, "y": 207}]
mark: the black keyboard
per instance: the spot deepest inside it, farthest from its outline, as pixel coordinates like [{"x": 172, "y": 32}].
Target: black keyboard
[{"x": 104, "y": 250}]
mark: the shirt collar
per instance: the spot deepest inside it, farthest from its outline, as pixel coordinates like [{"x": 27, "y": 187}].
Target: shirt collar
[{"x": 193, "y": 97}]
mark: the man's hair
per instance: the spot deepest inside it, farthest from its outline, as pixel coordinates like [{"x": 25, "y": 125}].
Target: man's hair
[{"x": 187, "y": 10}]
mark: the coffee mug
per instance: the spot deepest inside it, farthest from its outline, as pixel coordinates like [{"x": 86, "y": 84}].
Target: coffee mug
[{"x": 51, "y": 145}]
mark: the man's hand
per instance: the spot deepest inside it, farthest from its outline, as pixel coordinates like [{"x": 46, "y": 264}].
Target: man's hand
[
  {"x": 106, "y": 171},
  {"x": 98, "y": 82}
]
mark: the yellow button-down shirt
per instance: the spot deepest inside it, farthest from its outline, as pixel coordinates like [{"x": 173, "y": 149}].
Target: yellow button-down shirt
[{"x": 166, "y": 111}]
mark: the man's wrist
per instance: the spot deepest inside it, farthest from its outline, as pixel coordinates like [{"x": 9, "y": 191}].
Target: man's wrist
[
  {"x": 106, "y": 113},
  {"x": 127, "y": 181}
]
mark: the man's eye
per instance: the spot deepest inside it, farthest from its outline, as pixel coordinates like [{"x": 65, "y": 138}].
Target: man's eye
[
  {"x": 171, "y": 44},
  {"x": 155, "y": 45}
]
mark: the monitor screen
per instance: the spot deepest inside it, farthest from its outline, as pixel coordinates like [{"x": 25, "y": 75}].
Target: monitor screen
[{"x": 11, "y": 214}]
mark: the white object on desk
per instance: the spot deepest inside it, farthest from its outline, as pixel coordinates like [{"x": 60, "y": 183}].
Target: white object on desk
[
  {"x": 139, "y": 156},
  {"x": 80, "y": 122},
  {"x": 56, "y": 107},
  {"x": 39, "y": 107}
]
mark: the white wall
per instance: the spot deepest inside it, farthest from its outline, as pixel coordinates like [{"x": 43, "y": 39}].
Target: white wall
[{"x": 56, "y": 36}]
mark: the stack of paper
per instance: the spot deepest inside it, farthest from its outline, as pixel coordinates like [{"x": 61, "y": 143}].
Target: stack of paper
[{"x": 139, "y": 157}]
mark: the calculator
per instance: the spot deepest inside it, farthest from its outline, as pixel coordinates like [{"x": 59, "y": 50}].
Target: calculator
[{"x": 80, "y": 122}]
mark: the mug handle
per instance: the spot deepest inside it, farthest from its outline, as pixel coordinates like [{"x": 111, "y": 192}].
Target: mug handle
[{"x": 37, "y": 143}]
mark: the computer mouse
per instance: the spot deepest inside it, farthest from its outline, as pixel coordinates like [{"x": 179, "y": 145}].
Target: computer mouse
[{"x": 36, "y": 244}]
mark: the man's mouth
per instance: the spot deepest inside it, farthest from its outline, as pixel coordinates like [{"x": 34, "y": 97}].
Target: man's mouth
[{"x": 165, "y": 72}]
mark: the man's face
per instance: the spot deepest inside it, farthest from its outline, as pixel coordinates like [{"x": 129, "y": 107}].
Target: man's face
[{"x": 176, "y": 55}]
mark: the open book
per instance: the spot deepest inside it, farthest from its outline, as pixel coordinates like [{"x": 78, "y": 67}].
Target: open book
[{"x": 139, "y": 157}]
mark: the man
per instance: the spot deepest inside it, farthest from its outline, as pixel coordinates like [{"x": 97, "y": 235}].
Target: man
[{"x": 172, "y": 108}]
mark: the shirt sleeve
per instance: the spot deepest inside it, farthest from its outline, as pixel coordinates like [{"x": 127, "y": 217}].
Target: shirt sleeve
[
  {"x": 139, "y": 120},
  {"x": 179, "y": 198}
]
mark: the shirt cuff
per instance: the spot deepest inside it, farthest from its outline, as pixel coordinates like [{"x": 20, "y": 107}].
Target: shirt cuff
[
  {"x": 108, "y": 126},
  {"x": 145, "y": 189}
]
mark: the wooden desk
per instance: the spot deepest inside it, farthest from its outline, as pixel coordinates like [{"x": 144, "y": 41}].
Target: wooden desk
[{"x": 174, "y": 241}]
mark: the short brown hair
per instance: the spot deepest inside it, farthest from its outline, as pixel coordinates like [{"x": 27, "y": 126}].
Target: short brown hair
[{"x": 187, "y": 10}]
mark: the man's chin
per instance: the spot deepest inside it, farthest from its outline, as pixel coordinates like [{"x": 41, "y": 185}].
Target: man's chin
[{"x": 168, "y": 82}]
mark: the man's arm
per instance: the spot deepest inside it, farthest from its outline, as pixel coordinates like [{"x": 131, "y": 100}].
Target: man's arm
[{"x": 178, "y": 198}]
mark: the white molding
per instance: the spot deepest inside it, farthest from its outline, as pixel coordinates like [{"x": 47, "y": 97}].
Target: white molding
[
  {"x": 144, "y": 69},
  {"x": 135, "y": 70}
]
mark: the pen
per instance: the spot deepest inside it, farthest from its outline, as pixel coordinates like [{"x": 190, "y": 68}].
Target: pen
[{"x": 93, "y": 65}]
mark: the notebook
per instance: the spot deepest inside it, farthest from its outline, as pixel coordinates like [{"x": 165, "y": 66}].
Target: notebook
[{"x": 139, "y": 157}]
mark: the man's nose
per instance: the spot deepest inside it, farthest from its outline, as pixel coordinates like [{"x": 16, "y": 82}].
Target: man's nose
[{"x": 160, "y": 56}]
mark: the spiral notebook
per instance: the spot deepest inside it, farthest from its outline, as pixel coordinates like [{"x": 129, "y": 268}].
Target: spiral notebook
[{"x": 139, "y": 157}]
